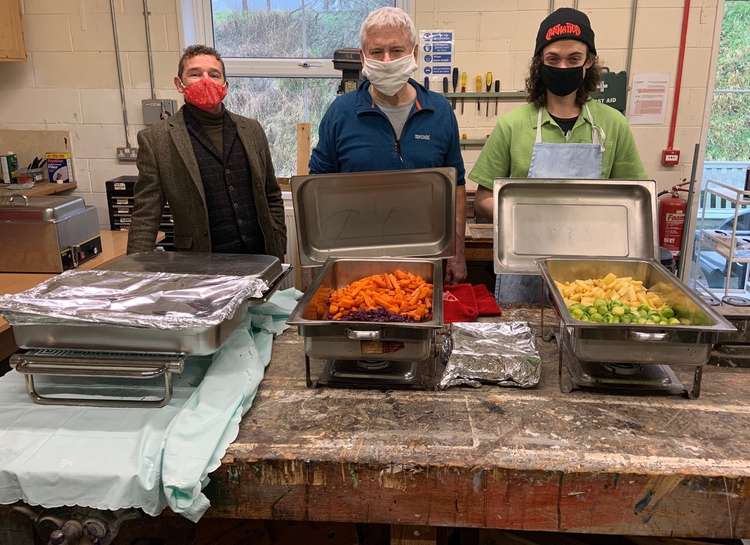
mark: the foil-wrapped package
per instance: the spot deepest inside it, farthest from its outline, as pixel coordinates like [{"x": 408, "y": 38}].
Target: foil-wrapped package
[
  {"x": 502, "y": 353},
  {"x": 135, "y": 299}
]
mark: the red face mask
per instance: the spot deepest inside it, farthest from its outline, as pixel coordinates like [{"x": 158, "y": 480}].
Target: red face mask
[{"x": 205, "y": 94}]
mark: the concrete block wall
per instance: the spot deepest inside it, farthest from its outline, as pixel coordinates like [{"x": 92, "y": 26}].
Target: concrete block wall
[
  {"x": 499, "y": 35},
  {"x": 70, "y": 80}
]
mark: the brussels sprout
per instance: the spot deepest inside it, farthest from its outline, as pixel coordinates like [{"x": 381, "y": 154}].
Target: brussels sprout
[
  {"x": 643, "y": 307},
  {"x": 602, "y": 309},
  {"x": 626, "y": 319},
  {"x": 596, "y": 317},
  {"x": 576, "y": 312},
  {"x": 600, "y": 303},
  {"x": 650, "y": 321},
  {"x": 642, "y": 320},
  {"x": 656, "y": 319},
  {"x": 618, "y": 311},
  {"x": 674, "y": 321},
  {"x": 590, "y": 310},
  {"x": 686, "y": 321},
  {"x": 667, "y": 312}
]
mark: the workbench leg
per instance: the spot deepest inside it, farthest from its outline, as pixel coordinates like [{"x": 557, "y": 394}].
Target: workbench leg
[
  {"x": 15, "y": 529},
  {"x": 413, "y": 535}
]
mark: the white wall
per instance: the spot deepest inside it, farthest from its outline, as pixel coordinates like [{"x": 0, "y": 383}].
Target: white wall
[{"x": 70, "y": 82}]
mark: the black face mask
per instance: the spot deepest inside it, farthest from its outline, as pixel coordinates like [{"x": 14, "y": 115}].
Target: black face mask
[{"x": 562, "y": 81}]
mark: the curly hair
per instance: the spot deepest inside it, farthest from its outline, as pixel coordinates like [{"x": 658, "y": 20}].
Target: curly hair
[
  {"x": 536, "y": 92},
  {"x": 194, "y": 51}
]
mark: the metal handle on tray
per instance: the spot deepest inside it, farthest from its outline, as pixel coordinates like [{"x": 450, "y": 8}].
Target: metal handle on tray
[
  {"x": 644, "y": 336},
  {"x": 12, "y": 199},
  {"x": 125, "y": 370},
  {"x": 355, "y": 335}
]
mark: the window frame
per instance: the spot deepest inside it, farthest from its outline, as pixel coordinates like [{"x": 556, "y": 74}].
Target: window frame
[{"x": 197, "y": 27}]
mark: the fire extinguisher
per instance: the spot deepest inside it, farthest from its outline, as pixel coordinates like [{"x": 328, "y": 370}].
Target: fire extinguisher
[{"x": 672, "y": 211}]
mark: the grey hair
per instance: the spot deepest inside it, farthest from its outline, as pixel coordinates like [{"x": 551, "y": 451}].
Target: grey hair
[{"x": 388, "y": 17}]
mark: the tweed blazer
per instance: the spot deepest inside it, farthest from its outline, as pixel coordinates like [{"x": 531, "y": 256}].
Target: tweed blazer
[{"x": 168, "y": 171}]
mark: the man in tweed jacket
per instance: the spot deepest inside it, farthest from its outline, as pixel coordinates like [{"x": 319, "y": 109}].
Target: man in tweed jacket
[{"x": 213, "y": 168}]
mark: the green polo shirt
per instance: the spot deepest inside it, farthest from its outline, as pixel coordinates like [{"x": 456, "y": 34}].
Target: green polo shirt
[{"x": 507, "y": 153}]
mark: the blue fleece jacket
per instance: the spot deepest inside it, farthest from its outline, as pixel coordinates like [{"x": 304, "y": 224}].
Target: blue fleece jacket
[{"x": 355, "y": 135}]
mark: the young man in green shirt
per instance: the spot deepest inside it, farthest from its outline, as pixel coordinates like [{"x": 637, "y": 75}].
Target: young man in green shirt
[{"x": 561, "y": 133}]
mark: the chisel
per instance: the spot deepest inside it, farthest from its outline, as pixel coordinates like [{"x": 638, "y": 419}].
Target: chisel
[
  {"x": 464, "y": 79},
  {"x": 455, "y": 84},
  {"x": 488, "y": 84}
]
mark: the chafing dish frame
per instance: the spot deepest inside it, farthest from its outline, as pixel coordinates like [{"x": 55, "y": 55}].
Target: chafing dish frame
[
  {"x": 646, "y": 344},
  {"x": 141, "y": 366}
]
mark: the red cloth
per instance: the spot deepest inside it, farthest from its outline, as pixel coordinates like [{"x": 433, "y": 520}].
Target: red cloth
[
  {"x": 486, "y": 303},
  {"x": 459, "y": 304}
]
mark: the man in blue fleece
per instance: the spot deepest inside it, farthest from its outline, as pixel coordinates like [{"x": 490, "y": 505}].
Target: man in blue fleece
[{"x": 391, "y": 122}]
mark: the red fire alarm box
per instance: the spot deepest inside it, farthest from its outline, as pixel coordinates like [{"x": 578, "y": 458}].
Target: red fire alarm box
[{"x": 670, "y": 157}]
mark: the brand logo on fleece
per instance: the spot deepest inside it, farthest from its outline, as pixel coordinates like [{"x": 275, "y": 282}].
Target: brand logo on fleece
[
  {"x": 563, "y": 30},
  {"x": 421, "y": 137}
]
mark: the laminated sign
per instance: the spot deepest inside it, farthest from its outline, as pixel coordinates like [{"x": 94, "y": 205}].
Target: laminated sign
[{"x": 436, "y": 54}]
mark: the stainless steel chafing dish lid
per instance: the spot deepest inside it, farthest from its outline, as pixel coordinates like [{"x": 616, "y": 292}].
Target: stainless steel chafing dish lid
[
  {"x": 265, "y": 267},
  {"x": 538, "y": 218},
  {"x": 18, "y": 207},
  {"x": 403, "y": 213}
]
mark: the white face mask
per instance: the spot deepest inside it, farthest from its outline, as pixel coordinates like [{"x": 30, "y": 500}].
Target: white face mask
[{"x": 389, "y": 77}]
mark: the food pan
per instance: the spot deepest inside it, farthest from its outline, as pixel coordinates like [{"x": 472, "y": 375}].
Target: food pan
[
  {"x": 636, "y": 343},
  {"x": 333, "y": 339}
]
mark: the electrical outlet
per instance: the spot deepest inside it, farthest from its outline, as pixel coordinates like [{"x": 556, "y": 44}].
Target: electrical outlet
[{"x": 127, "y": 154}]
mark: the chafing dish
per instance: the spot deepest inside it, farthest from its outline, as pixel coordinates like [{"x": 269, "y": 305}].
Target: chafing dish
[
  {"x": 84, "y": 346},
  {"x": 641, "y": 344},
  {"x": 355, "y": 225},
  {"x": 577, "y": 229},
  {"x": 47, "y": 234}
]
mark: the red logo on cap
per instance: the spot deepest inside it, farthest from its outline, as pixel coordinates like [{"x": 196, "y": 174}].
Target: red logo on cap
[{"x": 563, "y": 30}]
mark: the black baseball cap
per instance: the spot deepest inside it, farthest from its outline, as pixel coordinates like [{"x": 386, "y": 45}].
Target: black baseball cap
[{"x": 565, "y": 24}]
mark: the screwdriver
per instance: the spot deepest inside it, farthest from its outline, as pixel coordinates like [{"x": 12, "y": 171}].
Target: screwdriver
[
  {"x": 488, "y": 83},
  {"x": 445, "y": 84},
  {"x": 427, "y": 82},
  {"x": 455, "y": 84},
  {"x": 464, "y": 77},
  {"x": 478, "y": 89},
  {"x": 497, "y": 90}
]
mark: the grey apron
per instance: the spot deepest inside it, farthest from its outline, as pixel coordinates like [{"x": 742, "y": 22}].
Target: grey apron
[{"x": 560, "y": 161}]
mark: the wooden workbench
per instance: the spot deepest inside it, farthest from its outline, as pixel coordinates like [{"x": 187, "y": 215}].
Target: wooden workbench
[{"x": 493, "y": 457}]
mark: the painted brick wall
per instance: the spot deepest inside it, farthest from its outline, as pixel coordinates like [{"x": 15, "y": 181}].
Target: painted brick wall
[{"x": 70, "y": 81}]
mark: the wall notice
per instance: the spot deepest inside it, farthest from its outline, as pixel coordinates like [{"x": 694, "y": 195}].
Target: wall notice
[
  {"x": 436, "y": 55},
  {"x": 648, "y": 99}
]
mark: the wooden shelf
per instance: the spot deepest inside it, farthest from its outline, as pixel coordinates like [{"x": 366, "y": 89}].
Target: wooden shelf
[
  {"x": 41, "y": 189},
  {"x": 502, "y": 96},
  {"x": 473, "y": 142}
]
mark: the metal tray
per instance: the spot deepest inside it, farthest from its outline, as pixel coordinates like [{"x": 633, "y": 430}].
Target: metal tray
[
  {"x": 536, "y": 218},
  {"x": 18, "y": 207},
  {"x": 333, "y": 339},
  {"x": 636, "y": 343},
  {"x": 404, "y": 213},
  {"x": 193, "y": 341},
  {"x": 265, "y": 267}
]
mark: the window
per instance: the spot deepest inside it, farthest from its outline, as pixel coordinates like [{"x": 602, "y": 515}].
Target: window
[{"x": 278, "y": 57}]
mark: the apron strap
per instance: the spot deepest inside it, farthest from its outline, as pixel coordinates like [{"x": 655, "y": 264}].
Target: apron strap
[
  {"x": 597, "y": 133},
  {"x": 539, "y": 126}
]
